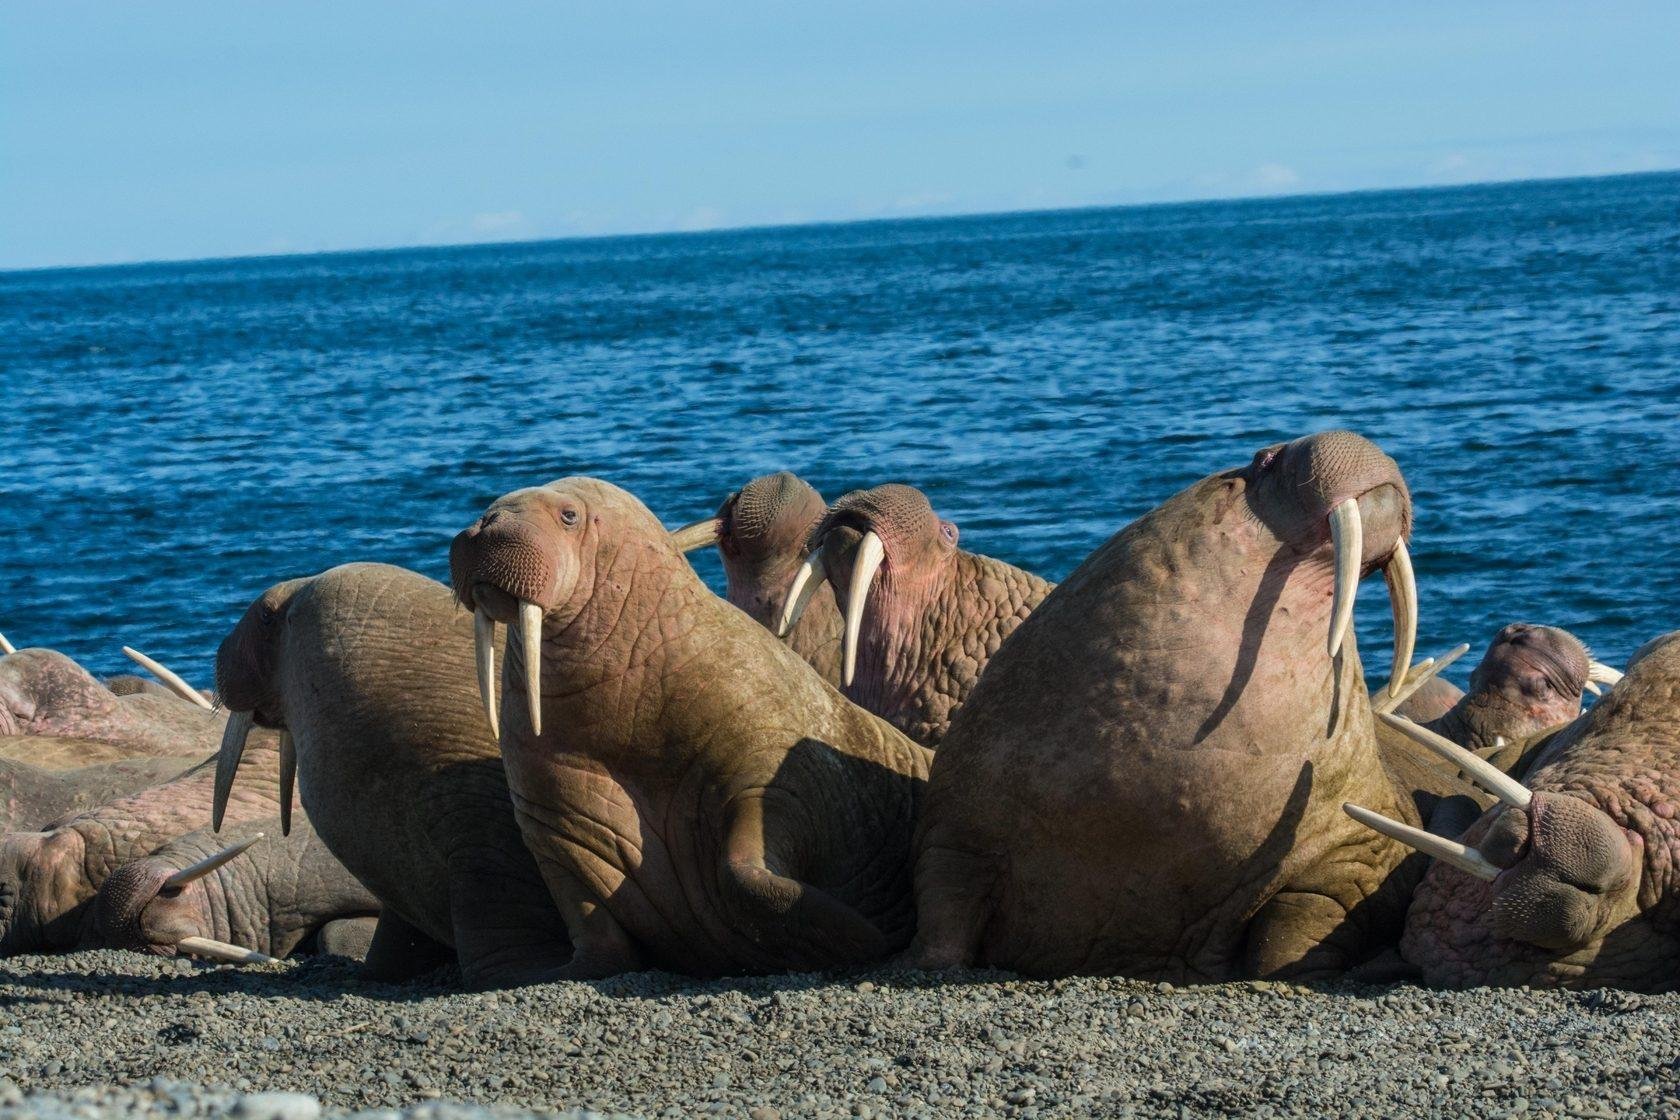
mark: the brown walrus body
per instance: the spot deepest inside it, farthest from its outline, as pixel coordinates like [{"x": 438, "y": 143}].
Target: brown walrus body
[{"x": 697, "y": 797}]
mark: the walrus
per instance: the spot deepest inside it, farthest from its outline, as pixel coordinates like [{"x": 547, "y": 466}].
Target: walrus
[
  {"x": 697, "y": 797},
  {"x": 43, "y": 692},
  {"x": 762, "y": 533},
  {"x": 1148, "y": 778},
  {"x": 1530, "y": 679},
  {"x": 1569, "y": 879},
  {"x": 266, "y": 889},
  {"x": 922, "y": 617},
  {"x": 48, "y": 878},
  {"x": 368, "y": 669},
  {"x": 32, "y": 795}
]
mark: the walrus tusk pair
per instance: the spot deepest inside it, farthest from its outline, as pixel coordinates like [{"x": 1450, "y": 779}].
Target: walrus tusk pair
[
  {"x": 1347, "y": 537},
  {"x": 234, "y": 737},
  {"x": 1481, "y": 772},
  {"x": 871, "y": 553},
  {"x": 169, "y": 677},
  {"x": 1598, "y": 673},
  {"x": 209, "y": 947},
  {"x": 484, "y": 648}
]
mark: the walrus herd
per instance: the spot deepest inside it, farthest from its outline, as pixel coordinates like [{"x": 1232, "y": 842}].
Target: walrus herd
[{"x": 877, "y": 746}]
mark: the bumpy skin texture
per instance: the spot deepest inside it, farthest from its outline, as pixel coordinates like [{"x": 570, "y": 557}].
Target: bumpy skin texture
[
  {"x": 763, "y": 538},
  {"x": 48, "y": 878},
  {"x": 699, "y": 799},
  {"x": 370, "y": 667},
  {"x": 934, "y": 615},
  {"x": 42, "y": 692},
  {"x": 274, "y": 896},
  {"x": 30, "y": 796},
  {"x": 1530, "y": 679},
  {"x": 1149, "y": 778},
  {"x": 1587, "y": 895}
]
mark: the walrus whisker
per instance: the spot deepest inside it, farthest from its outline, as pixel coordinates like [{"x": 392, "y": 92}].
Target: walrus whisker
[
  {"x": 1421, "y": 674},
  {"x": 697, "y": 535},
  {"x": 288, "y": 780},
  {"x": 1463, "y": 857},
  {"x": 484, "y": 649},
  {"x": 208, "y": 864},
  {"x": 806, "y": 582},
  {"x": 1481, "y": 771},
  {"x": 530, "y": 634},
  {"x": 169, "y": 677},
  {"x": 870, "y": 552},
  {"x": 221, "y": 951},
  {"x": 238, "y": 729},
  {"x": 1347, "y": 537},
  {"x": 1402, "y": 598}
]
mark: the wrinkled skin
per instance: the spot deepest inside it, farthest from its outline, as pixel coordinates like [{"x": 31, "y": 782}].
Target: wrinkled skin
[
  {"x": 48, "y": 878},
  {"x": 763, "y": 530},
  {"x": 1530, "y": 679},
  {"x": 370, "y": 667},
  {"x": 282, "y": 891},
  {"x": 934, "y": 614},
  {"x": 1149, "y": 779},
  {"x": 42, "y": 692},
  {"x": 1586, "y": 895},
  {"x": 30, "y": 796},
  {"x": 699, "y": 799}
]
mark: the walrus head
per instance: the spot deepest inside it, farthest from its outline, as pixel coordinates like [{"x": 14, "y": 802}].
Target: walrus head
[
  {"x": 760, "y": 532},
  {"x": 249, "y": 687},
  {"x": 885, "y": 545},
  {"x": 154, "y": 906},
  {"x": 1340, "y": 488}
]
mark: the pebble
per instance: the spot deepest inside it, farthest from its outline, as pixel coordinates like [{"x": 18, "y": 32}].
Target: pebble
[{"x": 195, "y": 1045}]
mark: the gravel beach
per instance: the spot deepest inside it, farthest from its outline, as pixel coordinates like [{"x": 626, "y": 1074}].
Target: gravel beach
[{"x": 119, "y": 1034}]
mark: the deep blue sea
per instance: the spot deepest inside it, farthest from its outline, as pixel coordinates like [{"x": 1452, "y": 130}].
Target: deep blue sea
[{"x": 179, "y": 436}]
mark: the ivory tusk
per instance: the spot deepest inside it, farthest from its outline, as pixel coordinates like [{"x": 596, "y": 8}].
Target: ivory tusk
[
  {"x": 208, "y": 864},
  {"x": 1463, "y": 857},
  {"x": 222, "y": 951},
  {"x": 1589, "y": 685},
  {"x": 176, "y": 685},
  {"x": 484, "y": 647},
  {"x": 530, "y": 635},
  {"x": 806, "y": 581},
  {"x": 1600, "y": 673},
  {"x": 871, "y": 551},
  {"x": 1420, "y": 675},
  {"x": 1403, "y": 600},
  {"x": 239, "y": 726},
  {"x": 288, "y": 780},
  {"x": 5, "y": 646},
  {"x": 698, "y": 535},
  {"x": 1347, "y": 537},
  {"x": 1480, "y": 771}
]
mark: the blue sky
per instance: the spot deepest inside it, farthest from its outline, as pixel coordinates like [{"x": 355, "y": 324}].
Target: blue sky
[{"x": 177, "y": 130}]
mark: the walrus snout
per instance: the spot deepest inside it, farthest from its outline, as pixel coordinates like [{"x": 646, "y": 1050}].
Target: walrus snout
[{"x": 1569, "y": 869}]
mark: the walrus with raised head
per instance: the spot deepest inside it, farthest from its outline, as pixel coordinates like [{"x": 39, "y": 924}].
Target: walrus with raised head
[
  {"x": 697, "y": 796},
  {"x": 1148, "y": 778}
]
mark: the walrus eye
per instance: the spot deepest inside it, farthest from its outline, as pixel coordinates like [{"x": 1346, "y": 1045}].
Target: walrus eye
[
  {"x": 568, "y": 517},
  {"x": 948, "y": 531},
  {"x": 1266, "y": 456}
]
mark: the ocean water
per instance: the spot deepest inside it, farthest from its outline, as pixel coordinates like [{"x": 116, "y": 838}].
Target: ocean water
[{"x": 180, "y": 436}]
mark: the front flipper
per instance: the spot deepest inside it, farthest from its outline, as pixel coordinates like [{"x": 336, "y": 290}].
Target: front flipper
[
  {"x": 508, "y": 931},
  {"x": 791, "y": 923}
]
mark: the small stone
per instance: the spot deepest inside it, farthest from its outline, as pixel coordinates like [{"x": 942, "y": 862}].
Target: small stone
[
  {"x": 876, "y": 1085},
  {"x": 763, "y": 1112}
]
